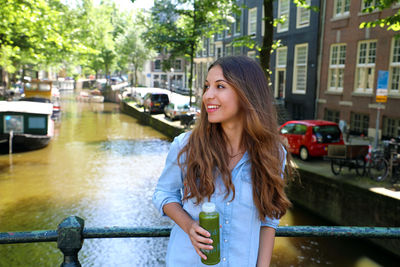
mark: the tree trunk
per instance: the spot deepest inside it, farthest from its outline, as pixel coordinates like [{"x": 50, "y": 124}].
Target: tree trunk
[
  {"x": 136, "y": 81},
  {"x": 265, "y": 53}
]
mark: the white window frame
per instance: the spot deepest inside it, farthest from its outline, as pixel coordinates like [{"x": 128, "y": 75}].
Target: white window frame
[
  {"x": 281, "y": 53},
  {"x": 252, "y": 23},
  {"x": 342, "y": 12},
  {"x": 301, "y": 11},
  {"x": 336, "y": 67},
  {"x": 282, "y": 27},
  {"x": 296, "y": 66},
  {"x": 394, "y": 67},
  {"x": 365, "y": 67}
]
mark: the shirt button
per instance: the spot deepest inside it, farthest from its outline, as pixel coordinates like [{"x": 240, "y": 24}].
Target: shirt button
[
  {"x": 228, "y": 203},
  {"x": 226, "y": 221},
  {"x": 224, "y": 259},
  {"x": 225, "y": 240}
]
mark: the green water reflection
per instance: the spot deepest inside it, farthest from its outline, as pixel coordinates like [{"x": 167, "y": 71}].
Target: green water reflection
[{"x": 103, "y": 166}]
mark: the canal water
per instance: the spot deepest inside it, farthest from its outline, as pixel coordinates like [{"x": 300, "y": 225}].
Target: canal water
[{"x": 103, "y": 166}]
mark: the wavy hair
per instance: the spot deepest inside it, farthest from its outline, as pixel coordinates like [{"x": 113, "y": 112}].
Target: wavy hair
[{"x": 206, "y": 153}]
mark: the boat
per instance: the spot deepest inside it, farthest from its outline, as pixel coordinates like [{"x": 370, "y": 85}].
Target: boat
[
  {"x": 43, "y": 91},
  {"x": 25, "y": 125},
  {"x": 93, "y": 96}
]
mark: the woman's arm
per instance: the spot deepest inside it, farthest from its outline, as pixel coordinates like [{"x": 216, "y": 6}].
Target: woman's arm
[
  {"x": 267, "y": 238},
  {"x": 191, "y": 227}
]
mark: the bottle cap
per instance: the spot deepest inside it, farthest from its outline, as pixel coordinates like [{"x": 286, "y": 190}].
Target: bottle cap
[{"x": 208, "y": 207}]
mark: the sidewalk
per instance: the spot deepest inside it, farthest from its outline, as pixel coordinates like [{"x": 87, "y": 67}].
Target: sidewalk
[{"x": 323, "y": 168}]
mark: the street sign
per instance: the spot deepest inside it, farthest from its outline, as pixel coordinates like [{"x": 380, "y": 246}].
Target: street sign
[{"x": 381, "y": 89}]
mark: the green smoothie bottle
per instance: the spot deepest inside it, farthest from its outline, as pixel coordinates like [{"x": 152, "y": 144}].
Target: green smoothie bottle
[{"x": 209, "y": 220}]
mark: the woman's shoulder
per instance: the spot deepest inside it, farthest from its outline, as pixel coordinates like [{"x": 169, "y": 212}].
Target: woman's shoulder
[{"x": 182, "y": 139}]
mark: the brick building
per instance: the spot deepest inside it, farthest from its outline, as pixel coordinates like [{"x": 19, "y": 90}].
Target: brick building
[{"x": 350, "y": 60}]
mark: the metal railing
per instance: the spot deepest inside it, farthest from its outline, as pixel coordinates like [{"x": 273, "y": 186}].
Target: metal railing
[{"x": 71, "y": 233}]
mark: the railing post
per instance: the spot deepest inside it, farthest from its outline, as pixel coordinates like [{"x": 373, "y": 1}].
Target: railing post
[{"x": 70, "y": 240}]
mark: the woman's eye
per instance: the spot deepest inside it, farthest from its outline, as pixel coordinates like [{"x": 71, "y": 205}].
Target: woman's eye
[
  {"x": 206, "y": 87},
  {"x": 220, "y": 86}
]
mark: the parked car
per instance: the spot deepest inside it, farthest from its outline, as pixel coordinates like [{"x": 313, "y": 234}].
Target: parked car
[
  {"x": 310, "y": 137},
  {"x": 155, "y": 102},
  {"x": 174, "y": 111}
]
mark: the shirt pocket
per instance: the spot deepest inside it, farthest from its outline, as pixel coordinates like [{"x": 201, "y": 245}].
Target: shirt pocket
[{"x": 246, "y": 191}]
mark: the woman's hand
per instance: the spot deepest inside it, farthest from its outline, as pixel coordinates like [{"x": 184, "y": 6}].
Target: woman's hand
[
  {"x": 200, "y": 239},
  {"x": 198, "y": 236}
]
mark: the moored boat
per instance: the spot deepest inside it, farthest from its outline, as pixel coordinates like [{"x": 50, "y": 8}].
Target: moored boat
[{"x": 27, "y": 125}]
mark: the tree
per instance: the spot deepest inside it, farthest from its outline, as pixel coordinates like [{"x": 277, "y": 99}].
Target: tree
[
  {"x": 390, "y": 22},
  {"x": 179, "y": 26},
  {"x": 131, "y": 48}
]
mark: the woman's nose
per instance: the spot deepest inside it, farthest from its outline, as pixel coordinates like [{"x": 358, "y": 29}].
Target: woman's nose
[{"x": 209, "y": 93}]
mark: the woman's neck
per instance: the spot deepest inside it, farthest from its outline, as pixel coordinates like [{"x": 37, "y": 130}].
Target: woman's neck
[{"x": 234, "y": 134}]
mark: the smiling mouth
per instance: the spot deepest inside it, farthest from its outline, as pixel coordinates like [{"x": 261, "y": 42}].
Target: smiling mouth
[{"x": 211, "y": 108}]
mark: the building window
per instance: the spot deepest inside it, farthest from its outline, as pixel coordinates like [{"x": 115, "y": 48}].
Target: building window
[
  {"x": 336, "y": 67},
  {"x": 332, "y": 115},
  {"x": 204, "y": 48},
  {"x": 237, "y": 25},
  {"x": 178, "y": 64},
  {"x": 394, "y": 74},
  {"x": 280, "y": 72},
  {"x": 341, "y": 8},
  {"x": 157, "y": 64},
  {"x": 237, "y": 50},
  {"x": 300, "y": 69},
  {"x": 359, "y": 124},
  {"x": 252, "y": 21},
  {"x": 390, "y": 128},
  {"x": 303, "y": 16},
  {"x": 219, "y": 35},
  {"x": 252, "y": 54},
  {"x": 228, "y": 50},
  {"x": 219, "y": 51},
  {"x": 367, "y": 4},
  {"x": 283, "y": 13},
  {"x": 365, "y": 66},
  {"x": 211, "y": 50}
]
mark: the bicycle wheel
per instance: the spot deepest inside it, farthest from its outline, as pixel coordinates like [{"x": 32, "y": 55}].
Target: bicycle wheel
[
  {"x": 336, "y": 166},
  {"x": 360, "y": 166},
  {"x": 378, "y": 169}
]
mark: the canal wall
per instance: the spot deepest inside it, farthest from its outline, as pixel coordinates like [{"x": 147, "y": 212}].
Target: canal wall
[
  {"x": 336, "y": 200},
  {"x": 146, "y": 119},
  {"x": 344, "y": 203}
]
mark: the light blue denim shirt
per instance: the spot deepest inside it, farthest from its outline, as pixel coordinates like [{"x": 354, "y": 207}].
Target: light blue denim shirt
[{"x": 239, "y": 222}]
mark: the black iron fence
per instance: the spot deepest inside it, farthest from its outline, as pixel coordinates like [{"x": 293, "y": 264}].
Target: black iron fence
[{"x": 71, "y": 233}]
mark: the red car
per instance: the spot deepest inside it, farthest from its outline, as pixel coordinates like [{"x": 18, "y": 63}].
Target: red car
[{"x": 310, "y": 137}]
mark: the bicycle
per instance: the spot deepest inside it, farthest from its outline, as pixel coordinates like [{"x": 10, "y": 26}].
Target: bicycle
[{"x": 376, "y": 165}]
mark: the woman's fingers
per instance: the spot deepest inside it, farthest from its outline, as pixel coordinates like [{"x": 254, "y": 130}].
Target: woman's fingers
[{"x": 199, "y": 238}]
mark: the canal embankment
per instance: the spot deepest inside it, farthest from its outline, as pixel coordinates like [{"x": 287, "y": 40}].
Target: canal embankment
[{"x": 342, "y": 200}]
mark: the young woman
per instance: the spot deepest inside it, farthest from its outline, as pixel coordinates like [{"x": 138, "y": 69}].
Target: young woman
[{"x": 234, "y": 158}]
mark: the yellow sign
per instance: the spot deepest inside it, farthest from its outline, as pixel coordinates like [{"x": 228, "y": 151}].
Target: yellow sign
[{"x": 381, "y": 98}]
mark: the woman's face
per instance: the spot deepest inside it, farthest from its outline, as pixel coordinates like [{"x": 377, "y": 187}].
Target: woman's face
[{"x": 220, "y": 99}]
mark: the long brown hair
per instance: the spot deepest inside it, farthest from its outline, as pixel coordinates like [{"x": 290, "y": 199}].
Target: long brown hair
[{"x": 206, "y": 153}]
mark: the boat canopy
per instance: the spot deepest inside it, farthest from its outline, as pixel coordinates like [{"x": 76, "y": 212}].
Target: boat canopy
[{"x": 26, "y": 107}]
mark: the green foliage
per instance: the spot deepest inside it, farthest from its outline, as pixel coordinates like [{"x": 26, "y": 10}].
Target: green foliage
[
  {"x": 389, "y": 22},
  {"x": 177, "y": 27}
]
